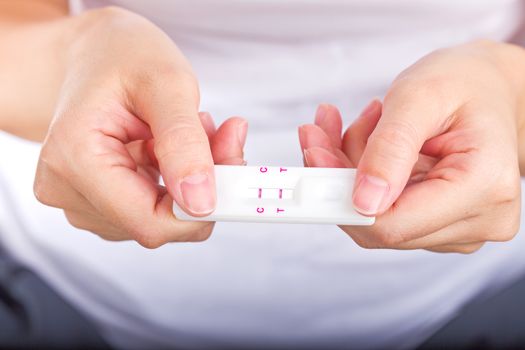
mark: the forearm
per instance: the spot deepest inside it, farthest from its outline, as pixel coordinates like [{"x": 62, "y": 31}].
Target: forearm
[
  {"x": 35, "y": 44},
  {"x": 32, "y": 46},
  {"x": 42, "y": 57},
  {"x": 31, "y": 67},
  {"x": 510, "y": 60}
]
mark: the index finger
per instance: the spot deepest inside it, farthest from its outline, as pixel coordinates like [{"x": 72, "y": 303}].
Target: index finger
[{"x": 131, "y": 201}]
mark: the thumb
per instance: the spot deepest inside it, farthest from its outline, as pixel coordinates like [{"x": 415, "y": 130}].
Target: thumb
[
  {"x": 392, "y": 150},
  {"x": 170, "y": 107}
]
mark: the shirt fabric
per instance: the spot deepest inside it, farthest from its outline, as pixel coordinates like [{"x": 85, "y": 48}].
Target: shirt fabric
[{"x": 270, "y": 284}]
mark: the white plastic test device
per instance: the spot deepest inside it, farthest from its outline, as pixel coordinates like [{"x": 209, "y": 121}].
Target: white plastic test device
[{"x": 283, "y": 194}]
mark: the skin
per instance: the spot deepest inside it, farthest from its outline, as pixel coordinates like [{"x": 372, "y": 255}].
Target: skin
[
  {"x": 439, "y": 161},
  {"x": 121, "y": 107},
  {"x": 116, "y": 104}
]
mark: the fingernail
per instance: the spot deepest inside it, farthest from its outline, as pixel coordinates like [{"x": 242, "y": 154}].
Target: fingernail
[
  {"x": 302, "y": 136},
  {"x": 205, "y": 114},
  {"x": 206, "y": 118},
  {"x": 370, "y": 108},
  {"x": 306, "y": 154},
  {"x": 198, "y": 193},
  {"x": 369, "y": 194},
  {"x": 242, "y": 131},
  {"x": 321, "y": 157},
  {"x": 320, "y": 114},
  {"x": 233, "y": 161}
]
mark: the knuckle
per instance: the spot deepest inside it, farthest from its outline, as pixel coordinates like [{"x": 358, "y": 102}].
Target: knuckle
[
  {"x": 112, "y": 12},
  {"x": 75, "y": 219},
  {"x": 54, "y": 154},
  {"x": 202, "y": 234},
  {"x": 399, "y": 141},
  {"x": 48, "y": 160},
  {"x": 388, "y": 236},
  {"x": 43, "y": 192},
  {"x": 467, "y": 248},
  {"x": 515, "y": 226},
  {"x": 180, "y": 78},
  {"x": 365, "y": 244},
  {"x": 430, "y": 86},
  {"x": 510, "y": 232},
  {"x": 421, "y": 87},
  {"x": 377, "y": 240},
  {"x": 183, "y": 132},
  {"x": 147, "y": 239},
  {"x": 361, "y": 238},
  {"x": 380, "y": 235},
  {"x": 40, "y": 191},
  {"x": 508, "y": 187},
  {"x": 505, "y": 192},
  {"x": 389, "y": 239},
  {"x": 113, "y": 17},
  {"x": 46, "y": 175},
  {"x": 380, "y": 239},
  {"x": 169, "y": 76},
  {"x": 507, "y": 230}
]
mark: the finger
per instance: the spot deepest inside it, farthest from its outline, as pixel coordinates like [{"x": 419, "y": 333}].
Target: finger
[
  {"x": 95, "y": 223},
  {"x": 414, "y": 215},
  {"x": 320, "y": 157},
  {"x": 328, "y": 118},
  {"x": 169, "y": 105},
  {"x": 312, "y": 136},
  {"x": 228, "y": 142},
  {"x": 208, "y": 124},
  {"x": 56, "y": 191},
  {"x": 140, "y": 151},
  {"x": 180, "y": 230},
  {"x": 464, "y": 231},
  {"x": 133, "y": 203},
  {"x": 411, "y": 115},
  {"x": 457, "y": 248},
  {"x": 356, "y": 136},
  {"x": 423, "y": 165},
  {"x": 112, "y": 185}
]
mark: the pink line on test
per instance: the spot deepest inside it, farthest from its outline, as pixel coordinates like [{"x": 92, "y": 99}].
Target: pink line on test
[
  {"x": 260, "y": 192},
  {"x": 280, "y": 193}
]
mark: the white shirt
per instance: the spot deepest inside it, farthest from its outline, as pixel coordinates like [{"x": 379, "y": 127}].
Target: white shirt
[{"x": 269, "y": 284}]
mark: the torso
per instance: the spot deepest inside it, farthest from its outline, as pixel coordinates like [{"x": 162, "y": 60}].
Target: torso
[{"x": 272, "y": 62}]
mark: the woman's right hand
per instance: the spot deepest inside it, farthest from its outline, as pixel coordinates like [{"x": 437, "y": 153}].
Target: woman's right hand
[{"x": 127, "y": 113}]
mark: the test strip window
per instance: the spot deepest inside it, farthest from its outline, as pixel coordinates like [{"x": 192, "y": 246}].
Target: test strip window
[{"x": 283, "y": 194}]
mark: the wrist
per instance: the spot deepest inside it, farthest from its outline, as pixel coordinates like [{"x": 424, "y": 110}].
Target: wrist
[
  {"x": 513, "y": 58},
  {"x": 517, "y": 67},
  {"x": 519, "y": 75},
  {"x": 511, "y": 62},
  {"x": 32, "y": 72},
  {"x": 41, "y": 55}
]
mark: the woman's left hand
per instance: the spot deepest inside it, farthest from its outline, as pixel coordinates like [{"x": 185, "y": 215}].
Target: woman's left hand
[{"x": 438, "y": 162}]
